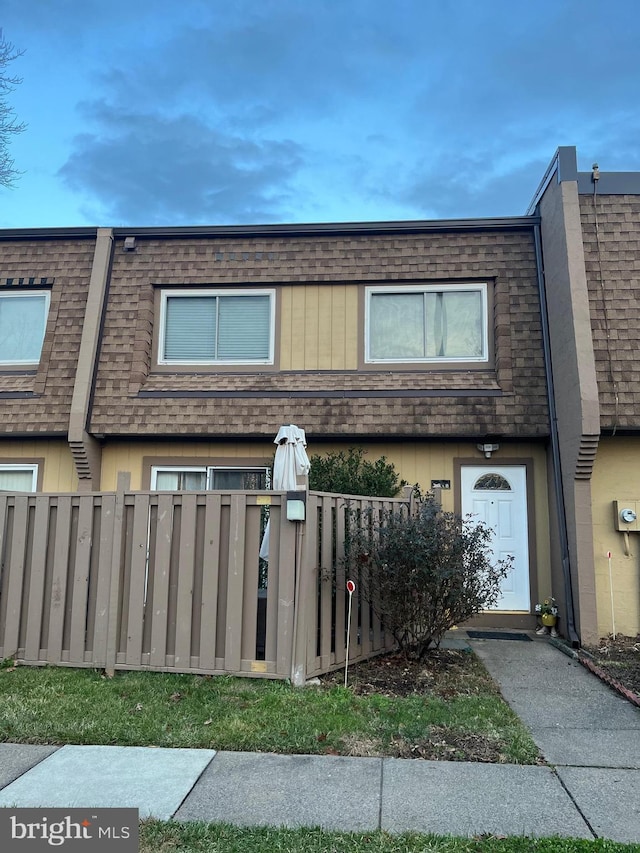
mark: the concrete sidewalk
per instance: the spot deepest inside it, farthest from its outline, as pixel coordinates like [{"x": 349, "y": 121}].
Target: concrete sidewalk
[{"x": 589, "y": 734}]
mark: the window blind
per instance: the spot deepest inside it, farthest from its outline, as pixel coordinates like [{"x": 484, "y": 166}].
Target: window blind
[
  {"x": 190, "y": 324},
  {"x": 217, "y": 328},
  {"x": 243, "y": 328}
]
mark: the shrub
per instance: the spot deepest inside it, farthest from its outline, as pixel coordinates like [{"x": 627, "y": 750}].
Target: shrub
[
  {"x": 351, "y": 474},
  {"x": 422, "y": 574}
]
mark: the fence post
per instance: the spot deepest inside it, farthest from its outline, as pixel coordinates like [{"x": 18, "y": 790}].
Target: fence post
[
  {"x": 115, "y": 593},
  {"x": 15, "y": 565},
  {"x": 305, "y": 533}
]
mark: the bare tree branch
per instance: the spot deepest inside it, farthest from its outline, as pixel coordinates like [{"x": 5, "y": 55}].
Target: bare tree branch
[{"x": 9, "y": 124}]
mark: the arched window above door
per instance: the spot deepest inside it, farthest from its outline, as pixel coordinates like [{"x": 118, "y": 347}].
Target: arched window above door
[{"x": 492, "y": 482}]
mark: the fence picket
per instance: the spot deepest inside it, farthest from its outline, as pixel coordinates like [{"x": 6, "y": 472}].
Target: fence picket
[
  {"x": 137, "y": 577},
  {"x": 33, "y": 635},
  {"x": 250, "y": 584},
  {"x": 57, "y": 605},
  {"x": 160, "y": 568},
  {"x": 365, "y": 611},
  {"x": 4, "y": 571},
  {"x": 106, "y": 514},
  {"x": 308, "y": 603},
  {"x": 235, "y": 583},
  {"x": 16, "y": 576},
  {"x": 115, "y": 576},
  {"x": 325, "y": 582},
  {"x": 80, "y": 588},
  {"x": 184, "y": 600},
  {"x": 272, "y": 589},
  {"x": 341, "y": 584},
  {"x": 210, "y": 560}
]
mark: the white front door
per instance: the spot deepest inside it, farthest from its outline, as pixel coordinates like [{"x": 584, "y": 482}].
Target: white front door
[{"x": 497, "y": 496}]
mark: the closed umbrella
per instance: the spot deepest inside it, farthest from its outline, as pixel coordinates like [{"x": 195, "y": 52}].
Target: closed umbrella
[{"x": 291, "y": 463}]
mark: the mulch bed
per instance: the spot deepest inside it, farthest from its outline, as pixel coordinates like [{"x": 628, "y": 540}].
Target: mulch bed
[
  {"x": 619, "y": 659},
  {"x": 444, "y": 673}
]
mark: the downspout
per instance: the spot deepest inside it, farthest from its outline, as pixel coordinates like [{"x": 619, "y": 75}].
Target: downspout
[{"x": 555, "y": 446}]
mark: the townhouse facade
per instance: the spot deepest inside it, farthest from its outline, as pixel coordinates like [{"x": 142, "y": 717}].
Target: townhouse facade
[{"x": 175, "y": 354}]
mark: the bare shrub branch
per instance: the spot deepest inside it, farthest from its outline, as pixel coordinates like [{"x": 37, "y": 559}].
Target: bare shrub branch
[{"x": 425, "y": 573}]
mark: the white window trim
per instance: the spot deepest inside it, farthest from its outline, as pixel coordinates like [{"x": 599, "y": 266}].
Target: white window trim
[
  {"x": 172, "y": 293},
  {"x": 202, "y": 469},
  {"x": 5, "y": 294},
  {"x": 174, "y": 469},
  {"x": 32, "y": 467},
  {"x": 476, "y": 287}
]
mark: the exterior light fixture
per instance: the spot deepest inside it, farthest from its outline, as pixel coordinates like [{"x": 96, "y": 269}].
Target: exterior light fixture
[
  {"x": 296, "y": 502},
  {"x": 488, "y": 449}
]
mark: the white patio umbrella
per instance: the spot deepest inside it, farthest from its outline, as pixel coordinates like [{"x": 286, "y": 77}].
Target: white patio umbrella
[{"x": 291, "y": 463}]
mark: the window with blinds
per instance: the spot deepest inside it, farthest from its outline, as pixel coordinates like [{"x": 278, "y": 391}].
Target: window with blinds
[
  {"x": 216, "y": 327},
  {"x": 421, "y": 323},
  {"x": 23, "y": 318}
]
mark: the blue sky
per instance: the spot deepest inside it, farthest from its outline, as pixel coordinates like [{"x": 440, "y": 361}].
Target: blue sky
[{"x": 178, "y": 112}]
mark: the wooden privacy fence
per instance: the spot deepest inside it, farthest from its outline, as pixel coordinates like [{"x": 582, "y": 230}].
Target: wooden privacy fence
[{"x": 173, "y": 582}]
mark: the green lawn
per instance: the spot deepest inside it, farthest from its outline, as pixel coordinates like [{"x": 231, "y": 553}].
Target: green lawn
[
  {"x": 156, "y": 837},
  {"x": 460, "y": 716}
]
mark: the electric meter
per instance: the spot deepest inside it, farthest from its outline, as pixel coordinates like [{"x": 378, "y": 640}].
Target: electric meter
[{"x": 628, "y": 516}]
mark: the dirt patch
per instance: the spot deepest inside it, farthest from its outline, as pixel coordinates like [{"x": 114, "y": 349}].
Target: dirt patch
[
  {"x": 445, "y": 673},
  {"x": 362, "y": 747},
  {"x": 445, "y": 745},
  {"x": 620, "y": 659}
]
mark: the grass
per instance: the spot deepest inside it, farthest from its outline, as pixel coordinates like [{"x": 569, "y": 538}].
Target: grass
[
  {"x": 175, "y": 837},
  {"x": 80, "y": 706}
]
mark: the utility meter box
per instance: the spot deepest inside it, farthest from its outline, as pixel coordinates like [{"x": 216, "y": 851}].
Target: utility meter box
[{"x": 626, "y": 515}]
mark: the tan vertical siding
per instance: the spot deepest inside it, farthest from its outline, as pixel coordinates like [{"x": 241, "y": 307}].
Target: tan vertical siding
[
  {"x": 337, "y": 334},
  {"x": 351, "y": 328},
  {"x": 128, "y": 456},
  {"x": 616, "y": 477},
  {"x": 58, "y": 474},
  {"x": 319, "y": 327},
  {"x": 311, "y": 323},
  {"x": 286, "y": 310},
  {"x": 298, "y": 330}
]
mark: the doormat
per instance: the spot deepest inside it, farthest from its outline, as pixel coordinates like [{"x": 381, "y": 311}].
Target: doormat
[{"x": 498, "y": 635}]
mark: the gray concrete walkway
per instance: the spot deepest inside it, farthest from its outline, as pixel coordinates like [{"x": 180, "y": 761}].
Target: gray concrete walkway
[
  {"x": 589, "y": 733},
  {"x": 590, "y": 736}
]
